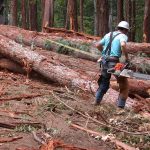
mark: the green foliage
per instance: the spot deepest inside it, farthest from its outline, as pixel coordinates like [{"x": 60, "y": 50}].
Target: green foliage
[
  {"x": 139, "y": 20},
  {"x": 24, "y": 128},
  {"x": 60, "y": 9},
  {"x": 47, "y": 45},
  {"x": 60, "y": 13},
  {"x": 82, "y": 46}
]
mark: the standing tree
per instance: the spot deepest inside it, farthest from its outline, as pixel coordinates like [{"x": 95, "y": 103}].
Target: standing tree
[
  {"x": 48, "y": 15},
  {"x": 120, "y": 10},
  {"x": 2, "y": 20},
  {"x": 72, "y": 15},
  {"x": 81, "y": 15},
  {"x": 146, "y": 28},
  {"x": 130, "y": 17},
  {"x": 101, "y": 17},
  {"x": 13, "y": 12},
  {"x": 33, "y": 14},
  {"x": 23, "y": 12}
]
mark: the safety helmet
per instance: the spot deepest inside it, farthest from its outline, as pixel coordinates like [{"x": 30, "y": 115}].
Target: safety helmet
[{"x": 124, "y": 24}]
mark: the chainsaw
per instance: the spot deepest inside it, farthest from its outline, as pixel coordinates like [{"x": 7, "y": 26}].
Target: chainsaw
[{"x": 121, "y": 69}]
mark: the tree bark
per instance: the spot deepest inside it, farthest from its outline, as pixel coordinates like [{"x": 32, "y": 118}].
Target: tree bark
[
  {"x": 2, "y": 18},
  {"x": 81, "y": 15},
  {"x": 13, "y": 12},
  {"x": 34, "y": 38},
  {"x": 120, "y": 11},
  {"x": 23, "y": 13},
  {"x": 11, "y": 66},
  {"x": 48, "y": 18},
  {"x": 51, "y": 70},
  {"x": 31, "y": 37},
  {"x": 135, "y": 87},
  {"x": 101, "y": 17},
  {"x": 72, "y": 14},
  {"x": 33, "y": 14},
  {"x": 146, "y": 29},
  {"x": 130, "y": 18},
  {"x": 135, "y": 48}
]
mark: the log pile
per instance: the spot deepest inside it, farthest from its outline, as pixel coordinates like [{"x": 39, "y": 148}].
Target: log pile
[{"x": 49, "y": 68}]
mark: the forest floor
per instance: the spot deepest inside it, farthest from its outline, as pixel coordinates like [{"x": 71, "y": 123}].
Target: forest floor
[{"x": 34, "y": 106}]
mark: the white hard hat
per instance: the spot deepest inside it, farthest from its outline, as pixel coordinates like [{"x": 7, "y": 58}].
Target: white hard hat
[{"x": 124, "y": 24}]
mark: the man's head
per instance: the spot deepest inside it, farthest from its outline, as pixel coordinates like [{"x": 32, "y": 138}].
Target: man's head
[{"x": 123, "y": 26}]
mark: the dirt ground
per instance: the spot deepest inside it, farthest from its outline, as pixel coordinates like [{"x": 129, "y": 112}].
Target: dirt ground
[
  {"x": 34, "y": 111},
  {"x": 47, "y": 115}
]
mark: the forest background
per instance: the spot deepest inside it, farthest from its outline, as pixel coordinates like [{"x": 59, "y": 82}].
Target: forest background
[{"x": 95, "y": 17}]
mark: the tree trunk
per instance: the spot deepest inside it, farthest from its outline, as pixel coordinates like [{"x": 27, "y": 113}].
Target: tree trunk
[
  {"x": 130, "y": 18},
  {"x": 135, "y": 87},
  {"x": 101, "y": 17},
  {"x": 72, "y": 14},
  {"x": 133, "y": 23},
  {"x": 23, "y": 12},
  {"x": 13, "y": 12},
  {"x": 96, "y": 23},
  {"x": 28, "y": 37},
  {"x": 48, "y": 18},
  {"x": 51, "y": 69},
  {"x": 32, "y": 38},
  {"x": 33, "y": 14},
  {"x": 120, "y": 11},
  {"x": 2, "y": 18},
  {"x": 11, "y": 66},
  {"x": 136, "y": 48},
  {"x": 146, "y": 29},
  {"x": 81, "y": 15}
]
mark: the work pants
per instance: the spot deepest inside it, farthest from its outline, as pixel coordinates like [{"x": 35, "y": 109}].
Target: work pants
[{"x": 104, "y": 83}]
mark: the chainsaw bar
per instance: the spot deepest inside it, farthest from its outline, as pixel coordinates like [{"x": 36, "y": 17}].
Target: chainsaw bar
[{"x": 130, "y": 74}]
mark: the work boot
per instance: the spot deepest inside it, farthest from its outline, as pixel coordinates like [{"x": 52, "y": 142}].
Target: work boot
[
  {"x": 96, "y": 103},
  {"x": 121, "y": 102}
]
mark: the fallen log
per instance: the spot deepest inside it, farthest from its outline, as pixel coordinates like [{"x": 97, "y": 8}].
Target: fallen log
[
  {"x": 32, "y": 38},
  {"x": 44, "y": 41},
  {"x": 11, "y": 66},
  {"x": 49, "y": 29},
  {"x": 50, "y": 69},
  {"x": 133, "y": 48},
  {"x": 7, "y": 125},
  {"x": 14, "y": 124},
  {"x": 18, "y": 98},
  {"x": 28, "y": 37},
  {"x": 9, "y": 139},
  {"x": 135, "y": 87}
]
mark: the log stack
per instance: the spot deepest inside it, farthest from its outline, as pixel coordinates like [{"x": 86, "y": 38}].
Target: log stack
[{"x": 48, "y": 67}]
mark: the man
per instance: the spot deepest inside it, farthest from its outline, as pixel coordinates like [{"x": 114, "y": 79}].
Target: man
[{"x": 113, "y": 47}]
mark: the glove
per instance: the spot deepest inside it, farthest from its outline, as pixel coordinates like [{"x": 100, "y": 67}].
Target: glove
[{"x": 124, "y": 60}]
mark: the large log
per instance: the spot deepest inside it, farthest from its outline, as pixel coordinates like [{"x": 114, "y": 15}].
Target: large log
[
  {"x": 41, "y": 39},
  {"x": 32, "y": 38},
  {"x": 135, "y": 87},
  {"x": 133, "y": 48},
  {"x": 51, "y": 69}
]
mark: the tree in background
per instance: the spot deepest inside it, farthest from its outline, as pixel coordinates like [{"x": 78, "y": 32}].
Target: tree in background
[
  {"x": 48, "y": 14},
  {"x": 72, "y": 15},
  {"x": 120, "y": 16},
  {"x": 92, "y": 15},
  {"x": 33, "y": 14},
  {"x": 146, "y": 25},
  {"x": 2, "y": 19},
  {"x": 81, "y": 15},
  {"x": 130, "y": 17},
  {"x": 13, "y": 12},
  {"x": 101, "y": 17},
  {"x": 23, "y": 13}
]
